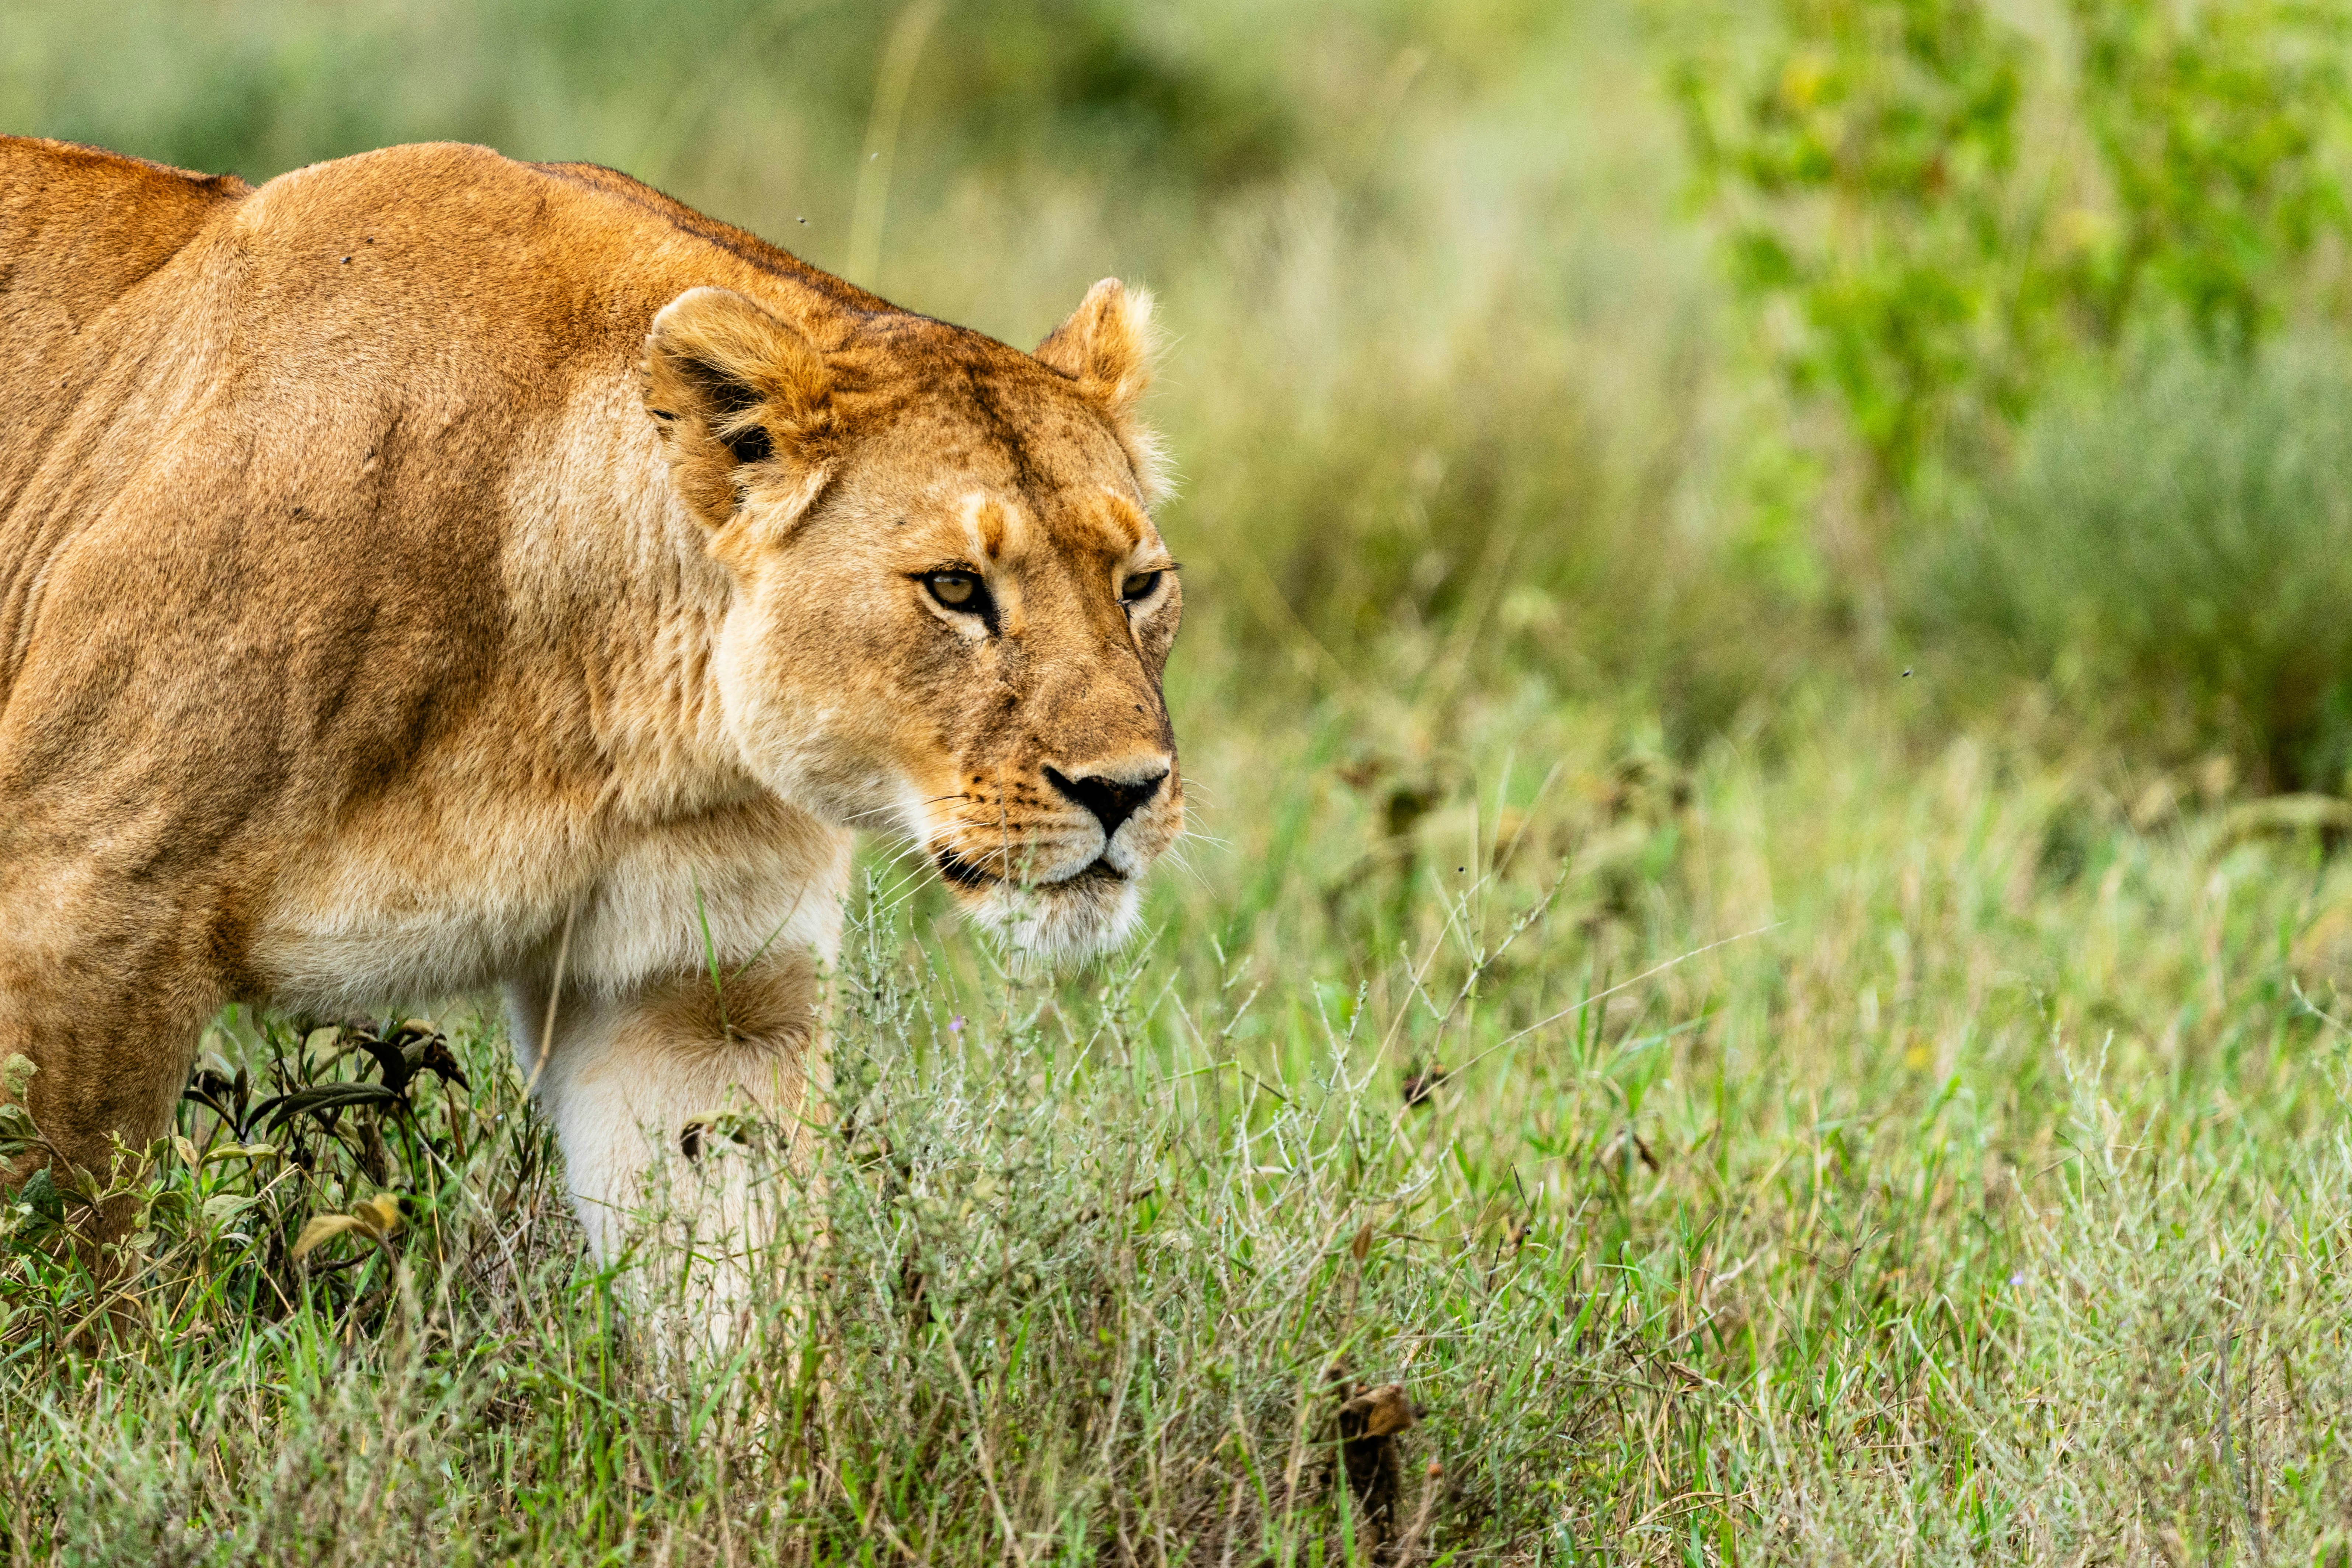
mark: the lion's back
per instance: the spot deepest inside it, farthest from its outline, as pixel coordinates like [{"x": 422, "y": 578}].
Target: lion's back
[
  {"x": 202, "y": 362},
  {"x": 80, "y": 230},
  {"x": 288, "y": 424}
]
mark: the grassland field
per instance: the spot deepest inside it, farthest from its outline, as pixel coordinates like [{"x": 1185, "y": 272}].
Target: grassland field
[{"x": 1765, "y": 1087}]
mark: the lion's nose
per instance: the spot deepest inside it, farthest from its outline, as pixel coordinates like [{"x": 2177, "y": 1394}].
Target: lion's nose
[{"x": 1112, "y": 801}]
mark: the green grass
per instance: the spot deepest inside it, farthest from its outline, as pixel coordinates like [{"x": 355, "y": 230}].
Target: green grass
[
  {"x": 1907, "y": 1126},
  {"x": 1987, "y": 1203}
]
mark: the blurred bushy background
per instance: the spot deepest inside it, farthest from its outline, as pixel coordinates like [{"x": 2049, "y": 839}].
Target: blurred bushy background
[
  {"x": 1661, "y": 356},
  {"x": 1447, "y": 380}
]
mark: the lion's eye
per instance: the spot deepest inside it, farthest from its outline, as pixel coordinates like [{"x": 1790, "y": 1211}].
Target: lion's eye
[
  {"x": 1139, "y": 588},
  {"x": 957, "y": 590}
]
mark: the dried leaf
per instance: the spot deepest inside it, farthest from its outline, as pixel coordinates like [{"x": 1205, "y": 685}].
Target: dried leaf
[
  {"x": 324, "y": 1228},
  {"x": 1361, "y": 1247},
  {"x": 1368, "y": 1426},
  {"x": 1379, "y": 1412},
  {"x": 376, "y": 1217},
  {"x": 435, "y": 1057},
  {"x": 1421, "y": 1083}
]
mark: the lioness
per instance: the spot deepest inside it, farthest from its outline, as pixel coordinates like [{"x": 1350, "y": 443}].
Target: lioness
[{"x": 425, "y": 570}]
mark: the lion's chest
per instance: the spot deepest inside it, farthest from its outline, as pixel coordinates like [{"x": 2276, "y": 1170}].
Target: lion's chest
[{"x": 371, "y": 920}]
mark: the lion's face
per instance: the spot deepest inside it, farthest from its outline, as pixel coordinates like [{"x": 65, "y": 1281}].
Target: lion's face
[{"x": 951, "y": 609}]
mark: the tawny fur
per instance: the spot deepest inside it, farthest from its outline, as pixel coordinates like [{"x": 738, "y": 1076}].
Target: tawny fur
[{"x": 420, "y": 550}]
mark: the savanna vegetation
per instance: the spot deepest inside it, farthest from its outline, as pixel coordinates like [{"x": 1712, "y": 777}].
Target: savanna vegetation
[{"x": 1767, "y": 704}]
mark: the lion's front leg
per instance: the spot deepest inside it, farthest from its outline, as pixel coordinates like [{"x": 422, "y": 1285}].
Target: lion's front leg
[{"x": 654, "y": 1094}]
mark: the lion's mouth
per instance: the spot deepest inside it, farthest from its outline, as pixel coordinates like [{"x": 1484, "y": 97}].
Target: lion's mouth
[{"x": 964, "y": 874}]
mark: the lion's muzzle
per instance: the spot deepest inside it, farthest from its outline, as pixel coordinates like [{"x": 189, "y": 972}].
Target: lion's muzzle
[
  {"x": 1053, "y": 856},
  {"x": 1112, "y": 799}
]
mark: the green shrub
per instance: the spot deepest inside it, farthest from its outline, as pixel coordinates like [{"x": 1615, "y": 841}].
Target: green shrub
[
  {"x": 2213, "y": 124},
  {"x": 1932, "y": 220},
  {"x": 1862, "y": 162},
  {"x": 2175, "y": 551}
]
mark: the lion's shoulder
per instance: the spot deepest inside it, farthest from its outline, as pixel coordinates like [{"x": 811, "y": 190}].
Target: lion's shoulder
[
  {"x": 59, "y": 170},
  {"x": 660, "y": 207},
  {"x": 541, "y": 230},
  {"x": 79, "y": 226}
]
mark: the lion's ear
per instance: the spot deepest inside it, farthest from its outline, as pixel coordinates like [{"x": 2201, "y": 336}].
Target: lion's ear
[
  {"x": 743, "y": 402},
  {"x": 1105, "y": 347}
]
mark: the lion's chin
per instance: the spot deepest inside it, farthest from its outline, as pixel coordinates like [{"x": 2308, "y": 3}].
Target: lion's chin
[{"x": 1052, "y": 923}]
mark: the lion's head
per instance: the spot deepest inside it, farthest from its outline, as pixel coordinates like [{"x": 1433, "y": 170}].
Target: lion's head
[{"x": 951, "y": 609}]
